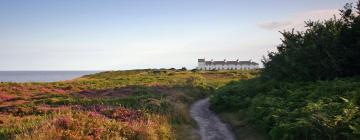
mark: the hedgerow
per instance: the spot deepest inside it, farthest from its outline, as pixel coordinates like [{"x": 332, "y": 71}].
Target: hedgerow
[{"x": 309, "y": 88}]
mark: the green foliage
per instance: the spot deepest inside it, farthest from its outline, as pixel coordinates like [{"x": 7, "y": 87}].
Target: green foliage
[
  {"x": 133, "y": 104},
  {"x": 183, "y": 69},
  {"x": 311, "y": 110},
  {"x": 310, "y": 88},
  {"x": 196, "y": 81},
  {"x": 17, "y": 125},
  {"x": 326, "y": 50}
]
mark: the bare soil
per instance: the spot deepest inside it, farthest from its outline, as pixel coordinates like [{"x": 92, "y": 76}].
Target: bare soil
[{"x": 210, "y": 126}]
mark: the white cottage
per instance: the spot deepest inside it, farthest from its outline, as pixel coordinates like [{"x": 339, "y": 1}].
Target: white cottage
[{"x": 226, "y": 65}]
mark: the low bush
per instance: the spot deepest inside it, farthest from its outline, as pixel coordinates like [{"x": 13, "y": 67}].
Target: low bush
[
  {"x": 135, "y": 104},
  {"x": 310, "y": 110}
]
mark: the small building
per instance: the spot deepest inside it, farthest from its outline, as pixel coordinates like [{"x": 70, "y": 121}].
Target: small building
[{"x": 226, "y": 65}]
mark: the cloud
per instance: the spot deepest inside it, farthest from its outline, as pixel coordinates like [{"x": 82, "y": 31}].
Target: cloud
[
  {"x": 297, "y": 21},
  {"x": 273, "y": 25}
]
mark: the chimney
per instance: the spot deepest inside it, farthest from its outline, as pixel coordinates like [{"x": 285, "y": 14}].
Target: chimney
[{"x": 201, "y": 60}]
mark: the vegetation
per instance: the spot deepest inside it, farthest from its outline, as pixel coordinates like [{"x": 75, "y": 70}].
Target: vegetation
[
  {"x": 135, "y": 104},
  {"x": 326, "y": 50},
  {"x": 309, "y": 88},
  {"x": 297, "y": 110}
]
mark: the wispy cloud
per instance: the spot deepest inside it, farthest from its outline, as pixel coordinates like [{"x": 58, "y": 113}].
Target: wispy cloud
[
  {"x": 274, "y": 25},
  {"x": 297, "y": 21}
]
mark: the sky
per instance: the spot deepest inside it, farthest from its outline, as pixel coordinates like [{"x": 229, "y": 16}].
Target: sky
[{"x": 136, "y": 34}]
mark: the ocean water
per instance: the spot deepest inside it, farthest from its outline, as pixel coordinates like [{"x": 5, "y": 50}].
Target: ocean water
[{"x": 41, "y": 76}]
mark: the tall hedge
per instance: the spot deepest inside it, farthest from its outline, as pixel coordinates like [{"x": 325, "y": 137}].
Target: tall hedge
[{"x": 325, "y": 50}]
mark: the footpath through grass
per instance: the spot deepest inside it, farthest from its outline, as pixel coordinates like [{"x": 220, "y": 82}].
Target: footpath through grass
[{"x": 135, "y": 104}]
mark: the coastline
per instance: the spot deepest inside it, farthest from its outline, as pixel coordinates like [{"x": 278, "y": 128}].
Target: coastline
[{"x": 41, "y": 76}]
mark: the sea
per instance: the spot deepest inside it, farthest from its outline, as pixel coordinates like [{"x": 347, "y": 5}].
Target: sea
[{"x": 41, "y": 76}]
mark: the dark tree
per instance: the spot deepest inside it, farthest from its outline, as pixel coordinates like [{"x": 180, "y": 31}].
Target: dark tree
[{"x": 326, "y": 50}]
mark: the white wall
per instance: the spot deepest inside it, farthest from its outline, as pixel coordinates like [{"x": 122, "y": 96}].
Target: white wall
[{"x": 202, "y": 66}]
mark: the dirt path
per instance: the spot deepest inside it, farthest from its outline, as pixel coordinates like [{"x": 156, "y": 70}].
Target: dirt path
[{"x": 211, "y": 128}]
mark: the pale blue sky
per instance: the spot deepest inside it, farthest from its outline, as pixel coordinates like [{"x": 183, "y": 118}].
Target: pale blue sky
[{"x": 128, "y": 34}]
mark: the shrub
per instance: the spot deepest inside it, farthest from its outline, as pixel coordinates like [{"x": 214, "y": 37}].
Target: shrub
[
  {"x": 326, "y": 50},
  {"x": 183, "y": 69},
  {"x": 312, "y": 110}
]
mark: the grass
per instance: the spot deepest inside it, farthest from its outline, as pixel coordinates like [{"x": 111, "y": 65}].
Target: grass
[
  {"x": 136, "y": 104},
  {"x": 294, "y": 110},
  {"x": 241, "y": 126}
]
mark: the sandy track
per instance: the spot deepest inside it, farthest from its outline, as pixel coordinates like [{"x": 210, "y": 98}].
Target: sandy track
[{"x": 210, "y": 126}]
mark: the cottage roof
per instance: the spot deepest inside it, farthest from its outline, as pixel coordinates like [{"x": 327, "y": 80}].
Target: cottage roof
[
  {"x": 218, "y": 62},
  {"x": 232, "y": 62},
  {"x": 228, "y": 62}
]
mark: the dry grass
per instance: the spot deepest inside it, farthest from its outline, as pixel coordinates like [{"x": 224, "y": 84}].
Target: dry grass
[{"x": 142, "y": 104}]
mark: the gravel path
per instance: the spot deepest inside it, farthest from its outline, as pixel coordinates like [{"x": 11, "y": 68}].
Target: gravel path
[{"x": 211, "y": 128}]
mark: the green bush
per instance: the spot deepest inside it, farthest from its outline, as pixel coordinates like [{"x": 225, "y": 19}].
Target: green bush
[
  {"x": 293, "y": 99},
  {"x": 312, "y": 110},
  {"x": 326, "y": 50}
]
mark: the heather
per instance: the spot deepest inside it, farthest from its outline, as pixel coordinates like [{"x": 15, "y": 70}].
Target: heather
[{"x": 134, "y": 104}]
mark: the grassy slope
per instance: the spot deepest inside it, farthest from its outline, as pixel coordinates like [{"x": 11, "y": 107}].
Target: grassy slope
[
  {"x": 137, "y": 104},
  {"x": 297, "y": 110}
]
